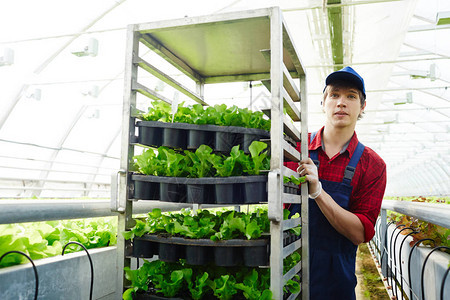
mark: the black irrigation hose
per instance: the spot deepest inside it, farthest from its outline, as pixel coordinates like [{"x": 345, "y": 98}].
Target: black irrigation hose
[
  {"x": 409, "y": 264},
  {"x": 383, "y": 248},
  {"x": 373, "y": 243},
  {"x": 90, "y": 262},
  {"x": 400, "y": 257},
  {"x": 423, "y": 267},
  {"x": 391, "y": 260},
  {"x": 395, "y": 262},
  {"x": 443, "y": 283},
  {"x": 375, "y": 237},
  {"x": 379, "y": 245},
  {"x": 36, "y": 277},
  {"x": 378, "y": 231},
  {"x": 378, "y": 238}
]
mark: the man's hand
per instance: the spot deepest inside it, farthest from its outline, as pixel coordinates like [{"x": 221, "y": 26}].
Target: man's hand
[
  {"x": 344, "y": 221},
  {"x": 307, "y": 168}
]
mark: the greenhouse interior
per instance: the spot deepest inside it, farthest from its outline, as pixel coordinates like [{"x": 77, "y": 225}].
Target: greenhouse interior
[{"x": 159, "y": 150}]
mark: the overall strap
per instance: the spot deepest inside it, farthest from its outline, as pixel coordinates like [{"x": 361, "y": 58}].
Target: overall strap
[
  {"x": 313, "y": 154},
  {"x": 350, "y": 169}
]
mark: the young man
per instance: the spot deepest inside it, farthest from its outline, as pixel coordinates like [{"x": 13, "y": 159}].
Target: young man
[{"x": 346, "y": 184}]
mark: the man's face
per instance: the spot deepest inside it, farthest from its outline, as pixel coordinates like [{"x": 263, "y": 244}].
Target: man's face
[{"x": 342, "y": 106}]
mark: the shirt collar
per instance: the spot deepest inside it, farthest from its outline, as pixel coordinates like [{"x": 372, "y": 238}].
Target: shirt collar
[
  {"x": 317, "y": 141},
  {"x": 350, "y": 146}
]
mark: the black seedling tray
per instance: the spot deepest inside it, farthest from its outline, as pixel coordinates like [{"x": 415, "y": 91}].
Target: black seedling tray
[
  {"x": 149, "y": 296},
  {"x": 207, "y": 190},
  {"x": 290, "y": 140},
  {"x": 227, "y": 253},
  {"x": 291, "y": 188},
  {"x": 289, "y": 238},
  {"x": 191, "y": 136}
]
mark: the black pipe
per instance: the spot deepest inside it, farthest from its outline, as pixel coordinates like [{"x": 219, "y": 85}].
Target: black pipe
[
  {"x": 395, "y": 262},
  {"x": 400, "y": 257},
  {"x": 443, "y": 283},
  {"x": 90, "y": 262},
  {"x": 409, "y": 263},
  {"x": 36, "y": 277},
  {"x": 423, "y": 267},
  {"x": 383, "y": 247},
  {"x": 378, "y": 232},
  {"x": 391, "y": 260}
]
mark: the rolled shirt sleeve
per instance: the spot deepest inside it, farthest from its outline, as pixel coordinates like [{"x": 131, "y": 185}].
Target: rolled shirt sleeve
[{"x": 368, "y": 194}]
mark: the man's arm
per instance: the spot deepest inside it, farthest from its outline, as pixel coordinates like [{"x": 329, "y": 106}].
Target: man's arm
[
  {"x": 344, "y": 221},
  {"x": 366, "y": 200}
]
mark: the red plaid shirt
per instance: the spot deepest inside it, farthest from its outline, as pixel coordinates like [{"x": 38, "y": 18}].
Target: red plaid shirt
[{"x": 369, "y": 181}]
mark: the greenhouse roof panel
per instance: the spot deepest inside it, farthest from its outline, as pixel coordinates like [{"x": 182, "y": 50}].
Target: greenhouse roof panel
[{"x": 61, "y": 104}]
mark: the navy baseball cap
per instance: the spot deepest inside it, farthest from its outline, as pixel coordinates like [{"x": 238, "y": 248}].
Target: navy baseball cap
[{"x": 349, "y": 75}]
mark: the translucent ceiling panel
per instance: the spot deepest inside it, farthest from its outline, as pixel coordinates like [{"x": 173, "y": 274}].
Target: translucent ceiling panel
[
  {"x": 22, "y": 161},
  {"x": 43, "y": 122},
  {"x": 86, "y": 168},
  {"x": 106, "y": 61},
  {"x": 419, "y": 86},
  {"x": 84, "y": 162},
  {"x": 28, "y": 57},
  {"x": 55, "y": 98},
  {"x": 96, "y": 129},
  {"x": 142, "y": 11},
  {"x": 32, "y": 19}
]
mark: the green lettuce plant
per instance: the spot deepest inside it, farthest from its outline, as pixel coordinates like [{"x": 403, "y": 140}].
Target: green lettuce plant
[
  {"x": 203, "y": 162},
  {"x": 294, "y": 180},
  {"x": 231, "y": 165},
  {"x": 46, "y": 239},
  {"x": 293, "y": 286},
  {"x": 258, "y": 160},
  {"x": 147, "y": 163},
  {"x": 203, "y": 224},
  {"x": 251, "y": 287},
  {"x": 200, "y": 162},
  {"x": 296, "y": 230},
  {"x": 196, "y": 282},
  {"x": 159, "y": 111},
  {"x": 220, "y": 115}
]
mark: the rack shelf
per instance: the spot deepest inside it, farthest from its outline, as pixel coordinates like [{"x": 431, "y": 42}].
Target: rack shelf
[{"x": 242, "y": 46}]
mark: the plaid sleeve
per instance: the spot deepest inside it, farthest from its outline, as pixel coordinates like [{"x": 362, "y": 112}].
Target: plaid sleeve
[
  {"x": 291, "y": 165},
  {"x": 368, "y": 195}
]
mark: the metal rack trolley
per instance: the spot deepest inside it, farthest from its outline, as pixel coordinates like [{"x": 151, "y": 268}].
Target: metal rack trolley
[{"x": 242, "y": 46}]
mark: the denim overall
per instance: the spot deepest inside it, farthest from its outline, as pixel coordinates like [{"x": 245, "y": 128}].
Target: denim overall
[{"x": 332, "y": 256}]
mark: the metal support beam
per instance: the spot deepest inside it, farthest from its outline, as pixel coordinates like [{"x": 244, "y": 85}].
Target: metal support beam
[
  {"x": 64, "y": 209},
  {"x": 335, "y": 27},
  {"x": 127, "y": 150},
  {"x": 276, "y": 161},
  {"x": 435, "y": 213},
  {"x": 304, "y": 190}
]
